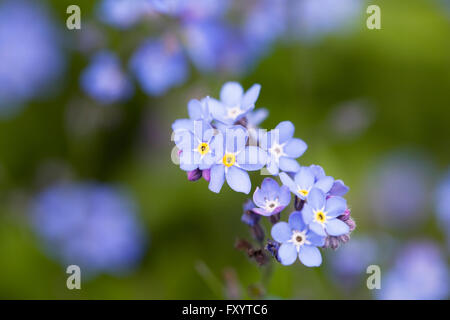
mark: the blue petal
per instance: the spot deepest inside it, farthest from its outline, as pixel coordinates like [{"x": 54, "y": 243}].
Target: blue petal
[
  {"x": 257, "y": 116},
  {"x": 324, "y": 184},
  {"x": 235, "y": 138},
  {"x": 317, "y": 228},
  {"x": 296, "y": 221},
  {"x": 310, "y": 256},
  {"x": 271, "y": 188},
  {"x": 264, "y": 139},
  {"x": 284, "y": 196},
  {"x": 259, "y": 197},
  {"x": 295, "y": 148},
  {"x": 272, "y": 166},
  {"x": 287, "y": 253},
  {"x": 304, "y": 178},
  {"x": 217, "y": 178},
  {"x": 315, "y": 239},
  {"x": 316, "y": 198},
  {"x": 252, "y": 158},
  {"x": 202, "y": 131},
  {"x": 288, "y": 182},
  {"x": 217, "y": 109},
  {"x": 231, "y": 94},
  {"x": 336, "y": 227},
  {"x": 238, "y": 180},
  {"x": 183, "y": 124},
  {"x": 189, "y": 160},
  {"x": 207, "y": 161},
  {"x": 335, "y": 206},
  {"x": 307, "y": 213},
  {"x": 339, "y": 188},
  {"x": 289, "y": 165},
  {"x": 285, "y": 131},
  {"x": 195, "y": 109},
  {"x": 317, "y": 171},
  {"x": 250, "y": 97},
  {"x": 281, "y": 232}
]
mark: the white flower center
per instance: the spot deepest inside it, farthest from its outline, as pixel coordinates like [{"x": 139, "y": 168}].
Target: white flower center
[
  {"x": 277, "y": 150},
  {"x": 299, "y": 239},
  {"x": 234, "y": 112},
  {"x": 271, "y": 205}
]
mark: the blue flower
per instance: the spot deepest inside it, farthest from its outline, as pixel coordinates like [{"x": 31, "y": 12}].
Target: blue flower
[
  {"x": 234, "y": 160},
  {"x": 442, "y": 202},
  {"x": 188, "y": 11},
  {"x": 234, "y": 104},
  {"x": 297, "y": 241},
  {"x": 282, "y": 148},
  {"x": 199, "y": 148},
  {"x": 104, "y": 80},
  {"x": 248, "y": 217},
  {"x": 321, "y": 214},
  {"x": 122, "y": 13},
  {"x": 271, "y": 198},
  {"x": 305, "y": 180},
  {"x": 31, "y": 57},
  {"x": 159, "y": 64},
  {"x": 91, "y": 225}
]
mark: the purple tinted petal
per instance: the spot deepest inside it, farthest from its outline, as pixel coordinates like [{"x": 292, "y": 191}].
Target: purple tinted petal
[
  {"x": 304, "y": 178},
  {"x": 262, "y": 212},
  {"x": 206, "y": 174},
  {"x": 259, "y": 197},
  {"x": 335, "y": 206},
  {"x": 238, "y": 180},
  {"x": 310, "y": 256},
  {"x": 289, "y": 165},
  {"x": 339, "y": 188},
  {"x": 316, "y": 198},
  {"x": 336, "y": 227},
  {"x": 231, "y": 94},
  {"x": 296, "y": 221},
  {"x": 252, "y": 158},
  {"x": 217, "y": 178},
  {"x": 284, "y": 196},
  {"x": 287, "y": 253},
  {"x": 250, "y": 97},
  {"x": 294, "y": 148},
  {"x": 285, "y": 131},
  {"x": 324, "y": 184},
  {"x": 281, "y": 232}
]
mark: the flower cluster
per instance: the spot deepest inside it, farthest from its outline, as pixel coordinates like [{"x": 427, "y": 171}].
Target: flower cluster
[{"x": 221, "y": 141}]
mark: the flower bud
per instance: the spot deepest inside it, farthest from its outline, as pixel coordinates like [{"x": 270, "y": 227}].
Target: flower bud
[{"x": 194, "y": 175}]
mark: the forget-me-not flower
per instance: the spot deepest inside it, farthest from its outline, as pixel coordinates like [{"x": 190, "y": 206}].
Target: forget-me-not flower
[
  {"x": 297, "y": 241},
  {"x": 235, "y": 160},
  {"x": 104, "y": 80},
  {"x": 304, "y": 180},
  {"x": 271, "y": 198},
  {"x": 282, "y": 148},
  {"x": 234, "y": 104},
  {"x": 321, "y": 213},
  {"x": 122, "y": 13}
]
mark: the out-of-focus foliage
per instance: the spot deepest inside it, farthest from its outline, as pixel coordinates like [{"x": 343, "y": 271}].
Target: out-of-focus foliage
[{"x": 361, "y": 99}]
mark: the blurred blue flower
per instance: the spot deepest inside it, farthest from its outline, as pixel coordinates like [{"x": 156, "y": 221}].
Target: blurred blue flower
[
  {"x": 90, "y": 225},
  {"x": 282, "y": 148},
  {"x": 159, "y": 65},
  {"x": 271, "y": 198},
  {"x": 321, "y": 214},
  {"x": 442, "y": 202},
  {"x": 234, "y": 104},
  {"x": 187, "y": 10},
  {"x": 312, "y": 18},
  {"x": 398, "y": 189},
  {"x": 420, "y": 273},
  {"x": 104, "y": 80},
  {"x": 122, "y": 13},
  {"x": 297, "y": 241},
  {"x": 235, "y": 160},
  {"x": 305, "y": 180},
  {"x": 248, "y": 217},
  {"x": 31, "y": 60}
]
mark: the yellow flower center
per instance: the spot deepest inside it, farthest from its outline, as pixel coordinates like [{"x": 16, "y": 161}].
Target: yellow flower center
[
  {"x": 229, "y": 159},
  {"x": 203, "y": 148},
  {"x": 303, "y": 192},
  {"x": 320, "y": 216}
]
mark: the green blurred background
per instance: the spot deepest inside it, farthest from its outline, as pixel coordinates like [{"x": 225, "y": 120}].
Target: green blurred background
[{"x": 398, "y": 77}]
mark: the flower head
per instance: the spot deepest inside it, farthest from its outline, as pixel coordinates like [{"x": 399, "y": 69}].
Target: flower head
[
  {"x": 282, "y": 148},
  {"x": 297, "y": 240},
  {"x": 271, "y": 198},
  {"x": 305, "y": 180},
  {"x": 234, "y": 104},
  {"x": 321, "y": 214},
  {"x": 234, "y": 160}
]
